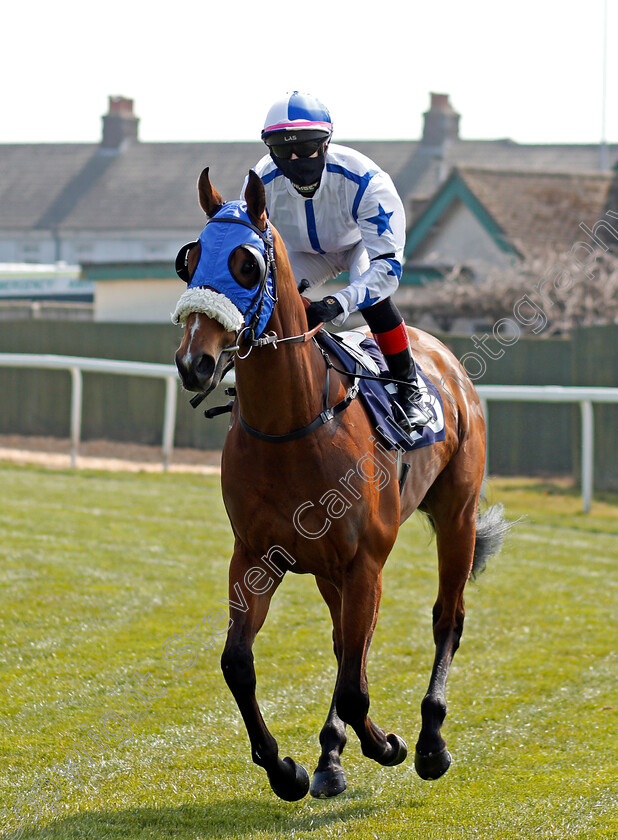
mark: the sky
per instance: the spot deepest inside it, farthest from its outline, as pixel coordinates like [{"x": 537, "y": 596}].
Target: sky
[{"x": 531, "y": 71}]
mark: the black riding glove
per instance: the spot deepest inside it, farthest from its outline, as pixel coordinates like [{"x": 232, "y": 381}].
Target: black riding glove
[{"x": 323, "y": 311}]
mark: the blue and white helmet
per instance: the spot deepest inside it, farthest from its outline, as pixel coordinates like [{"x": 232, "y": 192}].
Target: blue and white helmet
[{"x": 300, "y": 113}]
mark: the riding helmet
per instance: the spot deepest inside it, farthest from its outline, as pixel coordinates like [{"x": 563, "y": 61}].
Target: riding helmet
[{"x": 297, "y": 117}]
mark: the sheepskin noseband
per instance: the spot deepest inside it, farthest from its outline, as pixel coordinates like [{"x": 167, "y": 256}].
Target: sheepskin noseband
[{"x": 211, "y": 303}]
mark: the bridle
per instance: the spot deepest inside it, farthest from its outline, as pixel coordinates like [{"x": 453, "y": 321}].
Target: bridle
[
  {"x": 245, "y": 337},
  {"x": 267, "y": 266}
]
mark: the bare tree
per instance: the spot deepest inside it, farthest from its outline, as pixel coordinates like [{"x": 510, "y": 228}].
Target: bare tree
[{"x": 570, "y": 295}]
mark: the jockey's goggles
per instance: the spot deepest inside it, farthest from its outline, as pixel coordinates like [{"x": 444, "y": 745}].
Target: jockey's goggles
[{"x": 304, "y": 149}]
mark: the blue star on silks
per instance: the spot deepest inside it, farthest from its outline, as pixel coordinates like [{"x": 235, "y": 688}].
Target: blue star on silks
[
  {"x": 382, "y": 220},
  {"x": 368, "y": 300}
]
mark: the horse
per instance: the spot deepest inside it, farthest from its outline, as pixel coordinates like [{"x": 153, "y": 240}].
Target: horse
[{"x": 309, "y": 488}]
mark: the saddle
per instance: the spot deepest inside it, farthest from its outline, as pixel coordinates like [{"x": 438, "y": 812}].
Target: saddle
[{"x": 355, "y": 349}]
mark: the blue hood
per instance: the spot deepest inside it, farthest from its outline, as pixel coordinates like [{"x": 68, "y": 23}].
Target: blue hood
[{"x": 217, "y": 243}]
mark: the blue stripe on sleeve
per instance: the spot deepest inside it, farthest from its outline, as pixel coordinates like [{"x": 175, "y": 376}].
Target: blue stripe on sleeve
[
  {"x": 311, "y": 228},
  {"x": 396, "y": 267}
]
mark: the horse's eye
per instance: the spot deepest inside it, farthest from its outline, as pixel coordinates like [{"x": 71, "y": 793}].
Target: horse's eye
[
  {"x": 248, "y": 266},
  {"x": 244, "y": 267}
]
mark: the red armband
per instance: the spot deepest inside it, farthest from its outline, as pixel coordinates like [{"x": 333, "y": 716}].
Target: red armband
[{"x": 393, "y": 341}]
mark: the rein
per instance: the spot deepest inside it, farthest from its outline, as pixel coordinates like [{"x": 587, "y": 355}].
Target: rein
[
  {"x": 265, "y": 341},
  {"x": 325, "y": 416},
  {"x": 272, "y": 338}
]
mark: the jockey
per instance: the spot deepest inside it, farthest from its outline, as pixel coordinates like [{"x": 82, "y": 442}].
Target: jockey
[{"x": 337, "y": 211}]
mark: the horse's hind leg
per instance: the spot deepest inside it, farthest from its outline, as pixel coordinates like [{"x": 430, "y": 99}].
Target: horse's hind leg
[
  {"x": 361, "y": 593},
  {"x": 329, "y": 777},
  {"x": 248, "y": 610},
  {"x": 455, "y": 533}
]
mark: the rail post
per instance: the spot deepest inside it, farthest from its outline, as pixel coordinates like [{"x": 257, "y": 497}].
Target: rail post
[
  {"x": 587, "y": 415},
  {"x": 76, "y": 412},
  {"x": 169, "y": 419}
]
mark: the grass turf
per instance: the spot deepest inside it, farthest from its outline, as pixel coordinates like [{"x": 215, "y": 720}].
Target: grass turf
[{"x": 100, "y": 569}]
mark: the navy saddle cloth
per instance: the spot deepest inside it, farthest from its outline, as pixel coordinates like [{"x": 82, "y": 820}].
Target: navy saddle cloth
[{"x": 377, "y": 399}]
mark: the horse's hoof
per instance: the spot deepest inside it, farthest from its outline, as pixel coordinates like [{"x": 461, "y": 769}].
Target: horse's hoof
[
  {"x": 327, "y": 783},
  {"x": 434, "y": 765},
  {"x": 400, "y": 750},
  {"x": 290, "y": 781}
]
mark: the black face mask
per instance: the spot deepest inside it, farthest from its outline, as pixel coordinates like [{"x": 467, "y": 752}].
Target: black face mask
[{"x": 302, "y": 172}]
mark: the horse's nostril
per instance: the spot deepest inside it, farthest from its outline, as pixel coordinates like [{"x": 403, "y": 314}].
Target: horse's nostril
[
  {"x": 205, "y": 366},
  {"x": 180, "y": 364}
]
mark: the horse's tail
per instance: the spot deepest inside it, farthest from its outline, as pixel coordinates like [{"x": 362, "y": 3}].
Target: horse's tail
[{"x": 491, "y": 528}]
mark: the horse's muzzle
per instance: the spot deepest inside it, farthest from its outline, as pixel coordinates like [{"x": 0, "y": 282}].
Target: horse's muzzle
[{"x": 196, "y": 373}]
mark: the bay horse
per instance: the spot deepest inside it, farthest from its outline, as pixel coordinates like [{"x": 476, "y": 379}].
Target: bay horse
[{"x": 309, "y": 488}]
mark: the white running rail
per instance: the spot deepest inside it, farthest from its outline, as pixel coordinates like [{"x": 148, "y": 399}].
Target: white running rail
[
  {"x": 585, "y": 396},
  {"x": 76, "y": 365}
]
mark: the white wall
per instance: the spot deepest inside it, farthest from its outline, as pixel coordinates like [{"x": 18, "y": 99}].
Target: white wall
[
  {"x": 75, "y": 248},
  {"x": 17, "y": 247},
  {"x": 460, "y": 238},
  {"x": 150, "y": 301}
]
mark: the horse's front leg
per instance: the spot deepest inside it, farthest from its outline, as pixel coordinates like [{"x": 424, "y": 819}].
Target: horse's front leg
[
  {"x": 250, "y": 595},
  {"x": 329, "y": 777},
  {"x": 362, "y": 589}
]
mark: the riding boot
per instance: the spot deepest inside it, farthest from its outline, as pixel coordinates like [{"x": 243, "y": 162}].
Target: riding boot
[
  {"x": 389, "y": 330},
  {"x": 403, "y": 367}
]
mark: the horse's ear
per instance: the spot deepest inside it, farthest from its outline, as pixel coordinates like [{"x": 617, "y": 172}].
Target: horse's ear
[
  {"x": 255, "y": 196},
  {"x": 210, "y": 200}
]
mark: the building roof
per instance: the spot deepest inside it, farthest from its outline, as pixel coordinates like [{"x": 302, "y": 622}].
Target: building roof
[
  {"x": 146, "y": 186},
  {"x": 32, "y": 178},
  {"x": 540, "y": 209},
  {"x": 151, "y": 186},
  {"x": 124, "y": 184},
  {"x": 525, "y": 212}
]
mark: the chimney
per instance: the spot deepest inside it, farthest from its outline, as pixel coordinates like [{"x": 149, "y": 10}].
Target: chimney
[
  {"x": 119, "y": 124},
  {"x": 441, "y": 122}
]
